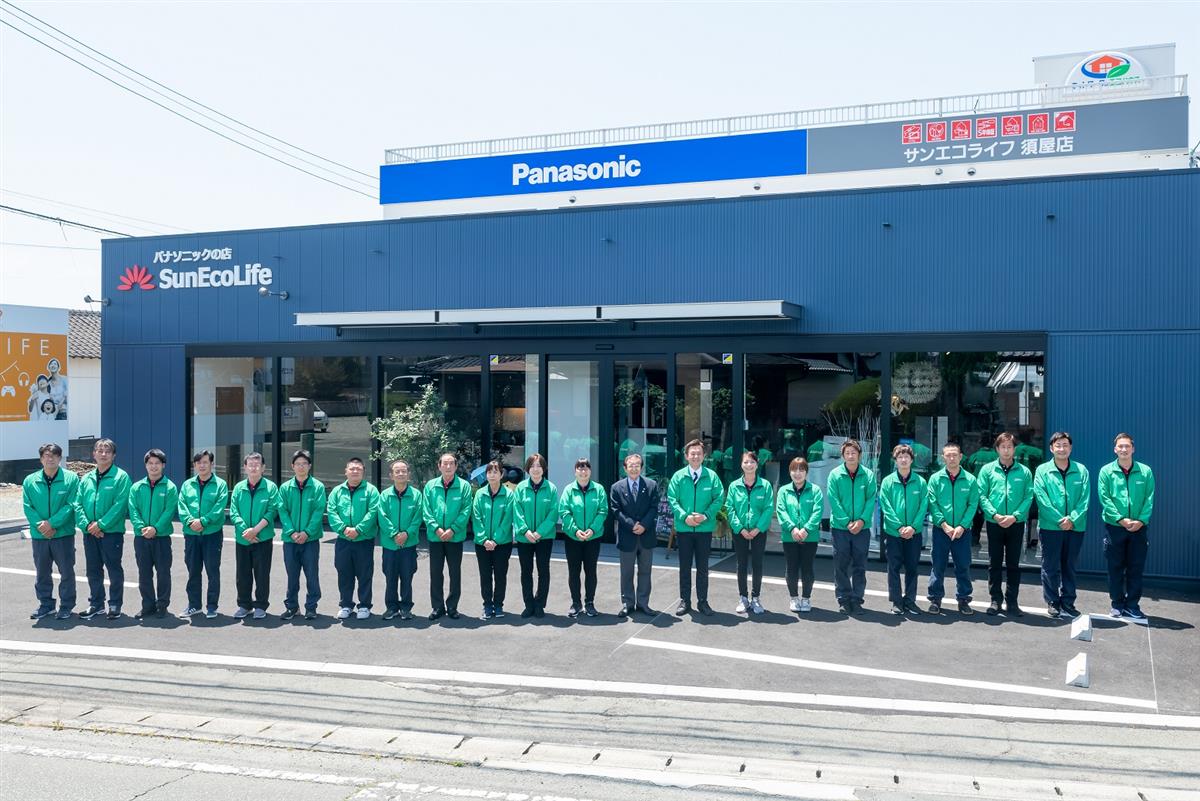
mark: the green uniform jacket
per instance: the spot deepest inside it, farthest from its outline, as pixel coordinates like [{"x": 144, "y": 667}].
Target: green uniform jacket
[
  {"x": 1005, "y": 492},
  {"x": 103, "y": 499},
  {"x": 749, "y": 509},
  {"x": 358, "y": 510},
  {"x": 54, "y": 503},
  {"x": 535, "y": 511},
  {"x": 154, "y": 505},
  {"x": 851, "y": 499},
  {"x": 704, "y": 496},
  {"x": 1058, "y": 498},
  {"x": 492, "y": 516},
  {"x": 247, "y": 510},
  {"x": 583, "y": 510},
  {"x": 1129, "y": 496},
  {"x": 204, "y": 503},
  {"x": 447, "y": 508},
  {"x": 398, "y": 513},
  {"x": 903, "y": 503},
  {"x": 301, "y": 510},
  {"x": 954, "y": 502},
  {"x": 801, "y": 509}
]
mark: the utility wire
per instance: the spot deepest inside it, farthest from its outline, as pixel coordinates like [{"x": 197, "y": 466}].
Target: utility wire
[
  {"x": 59, "y": 220},
  {"x": 100, "y": 212},
  {"x": 184, "y": 116},
  {"x": 52, "y": 247}
]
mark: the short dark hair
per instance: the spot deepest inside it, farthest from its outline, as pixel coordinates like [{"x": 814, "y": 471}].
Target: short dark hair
[
  {"x": 198, "y": 455},
  {"x": 583, "y": 461},
  {"x": 108, "y": 443},
  {"x": 633, "y": 455},
  {"x": 536, "y": 458},
  {"x": 355, "y": 460},
  {"x": 950, "y": 443},
  {"x": 50, "y": 447},
  {"x": 1057, "y": 435},
  {"x": 302, "y": 454},
  {"x": 800, "y": 462},
  {"x": 903, "y": 448},
  {"x": 252, "y": 455},
  {"x": 695, "y": 443},
  {"x": 751, "y": 454},
  {"x": 154, "y": 453},
  {"x": 453, "y": 458},
  {"x": 1003, "y": 437},
  {"x": 494, "y": 465},
  {"x": 1122, "y": 436},
  {"x": 850, "y": 443}
]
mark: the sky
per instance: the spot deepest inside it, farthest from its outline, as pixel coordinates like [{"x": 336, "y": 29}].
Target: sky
[{"x": 348, "y": 80}]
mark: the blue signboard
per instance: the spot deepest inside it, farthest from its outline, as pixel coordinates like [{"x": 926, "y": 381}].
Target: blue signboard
[{"x": 674, "y": 162}]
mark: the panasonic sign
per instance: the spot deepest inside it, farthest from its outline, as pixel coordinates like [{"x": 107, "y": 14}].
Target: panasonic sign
[{"x": 567, "y": 173}]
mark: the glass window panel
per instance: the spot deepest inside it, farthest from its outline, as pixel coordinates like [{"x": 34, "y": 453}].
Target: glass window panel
[
  {"x": 327, "y": 413},
  {"x": 640, "y": 414},
  {"x": 704, "y": 410},
  {"x": 232, "y": 412},
  {"x": 514, "y": 408},
  {"x": 449, "y": 413},
  {"x": 574, "y": 417}
]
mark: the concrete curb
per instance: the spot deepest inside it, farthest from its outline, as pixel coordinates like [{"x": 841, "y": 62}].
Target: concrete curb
[{"x": 663, "y": 768}]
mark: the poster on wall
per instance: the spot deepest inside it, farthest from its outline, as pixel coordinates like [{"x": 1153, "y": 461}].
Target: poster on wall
[{"x": 34, "y": 388}]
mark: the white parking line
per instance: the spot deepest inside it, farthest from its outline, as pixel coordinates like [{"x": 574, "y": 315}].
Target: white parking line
[
  {"x": 899, "y": 675},
  {"x": 23, "y": 572},
  {"x": 577, "y": 685}
]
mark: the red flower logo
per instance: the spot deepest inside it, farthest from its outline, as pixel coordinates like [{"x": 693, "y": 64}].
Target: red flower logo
[{"x": 136, "y": 276}]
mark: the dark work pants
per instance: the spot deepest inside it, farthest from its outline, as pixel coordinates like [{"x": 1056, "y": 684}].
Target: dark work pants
[
  {"x": 582, "y": 555},
  {"x": 304, "y": 558},
  {"x": 799, "y": 574},
  {"x": 904, "y": 554},
  {"x": 104, "y": 554},
  {"x": 354, "y": 561},
  {"x": 641, "y": 558},
  {"x": 537, "y": 555},
  {"x": 1004, "y": 561},
  {"x": 850, "y": 563},
  {"x": 399, "y": 567},
  {"x": 202, "y": 555},
  {"x": 1060, "y": 551},
  {"x": 1126, "y": 555},
  {"x": 154, "y": 557},
  {"x": 694, "y": 547},
  {"x": 945, "y": 549},
  {"x": 253, "y": 579},
  {"x": 445, "y": 557},
  {"x": 750, "y": 555},
  {"x": 493, "y": 573},
  {"x": 60, "y": 553}
]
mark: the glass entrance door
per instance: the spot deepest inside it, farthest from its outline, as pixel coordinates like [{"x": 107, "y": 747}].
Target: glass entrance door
[{"x": 573, "y": 417}]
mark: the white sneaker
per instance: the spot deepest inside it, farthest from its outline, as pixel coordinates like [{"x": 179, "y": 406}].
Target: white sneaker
[
  {"x": 743, "y": 605},
  {"x": 259, "y": 614},
  {"x": 363, "y": 613},
  {"x": 756, "y": 606},
  {"x": 1114, "y": 612},
  {"x": 186, "y": 613},
  {"x": 805, "y": 604},
  {"x": 795, "y": 604},
  {"x": 343, "y": 613},
  {"x": 240, "y": 613}
]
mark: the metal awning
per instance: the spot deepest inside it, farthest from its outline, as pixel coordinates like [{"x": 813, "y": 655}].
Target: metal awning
[{"x": 639, "y": 312}]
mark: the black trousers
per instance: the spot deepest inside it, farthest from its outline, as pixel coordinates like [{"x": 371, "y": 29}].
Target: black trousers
[
  {"x": 694, "y": 546},
  {"x": 154, "y": 557},
  {"x": 101, "y": 554},
  {"x": 445, "y": 556},
  {"x": 903, "y": 555},
  {"x": 202, "y": 556},
  {"x": 1125, "y": 552},
  {"x": 493, "y": 572},
  {"x": 399, "y": 567},
  {"x": 354, "y": 561},
  {"x": 750, "y": 555},
  {"x": 582, "y": 555},
  {"x": 253, "y": 574},
  {"x": 58, "y": 552},
  {"x": 535, "y": 555},
  {"x": 1004, "y": 561},
  {"x": 799, "y": 556}
]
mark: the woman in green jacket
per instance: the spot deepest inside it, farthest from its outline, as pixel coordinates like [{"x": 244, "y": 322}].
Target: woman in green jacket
[
  {"x": 748, "y": 507},
  {"x": 535, "y": 522},
  {"x": 799, "y": 507},
  {"x": 584, "y": 507},
  {"x": 491, "y": 512}
]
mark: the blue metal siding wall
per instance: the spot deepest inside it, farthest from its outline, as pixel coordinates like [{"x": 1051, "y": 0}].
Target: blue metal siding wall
[
  {"x": 144, "y": 397},
  {"x": 1146, "y": 384}
]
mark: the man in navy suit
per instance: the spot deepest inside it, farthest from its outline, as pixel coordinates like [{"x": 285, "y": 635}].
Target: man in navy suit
[{"x": 634, "y": 504}]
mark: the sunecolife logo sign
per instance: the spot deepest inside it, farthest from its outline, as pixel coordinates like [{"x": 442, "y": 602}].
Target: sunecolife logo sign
[
  {"x": 1108, "y": 67},
  {"x": 202, "y": 277}
]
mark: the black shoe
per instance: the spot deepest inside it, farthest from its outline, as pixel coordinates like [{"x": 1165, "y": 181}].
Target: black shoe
[
  {"x": 964, "y": 608},
  {"x": 390, "y": 614},
  {"x": 1070, "y": 610},
  {"x": 498, "y": 611},
  {"x": 406, "y": 614},
  {"x": 574, "y": 611},
  {"x": 625, "y": 611},
  {"x": 897, "y": 609},
  {"x": 704, "y": 608},
  {"x": 935, "y": 607},
  {"x": 846, "y": 607},
  {"x": 1014, "y": 610},
  {"x": 683, "y": 608},
  {"x": 311, "y": 614},
  {"x": 63, "y": 614},
  {"x": 38, "y": 614},
  {"x": 539, "y": 611},
  {"x": 1053, "y": 611},
  {"x": 288, "y": 614},
  {"x": 142, "y": 614},
  {"x": 645, "y": 610},
  {"x": 993, "y": 608},
  {"x": 160, "y": 612},
  {"x": 114, "y": 612},
  {"x": 453, "y": 614},
  {"x": 89, "y": 613},
  {"x": 857, "y": 609},
  {"x": 911, "y": 606},
  {"x": 436, "y": 613},
  {"x": 590, "y": 610},
  {"x": 527, "y": 612}
]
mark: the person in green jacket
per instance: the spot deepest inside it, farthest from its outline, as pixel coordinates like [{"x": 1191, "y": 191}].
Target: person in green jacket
[
  {"x": 301, "y": 526},
  {"x": 903, "y": 503},
  {"x": 695, "y": 495},
  {"x": 953, "y": 501},
  {"x": 447, "y": 512},
  {"x": 851, "y": 491},
  {"x": 799, "y": 505},
  {"x": 48, "y": 496},
  {"x": 253, "y": 507},
  {"x": 153, "y": 504},
  {"x": 101, "y": 509},
  {"x": 1005, "y": 495},
  {"x": 749, "y": 507},
  {"x": 401, "y": 507},
  {"x": 353, "y": 510},
  {"x": 583, "y": 508},
  {"x": 202, "y": 501},
  {"x": 1126, "y": 490},
  {"x": 535, "y": 525},
  {"x": 1063, "y": 491},
  {"x": 491, "y": 518}
]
